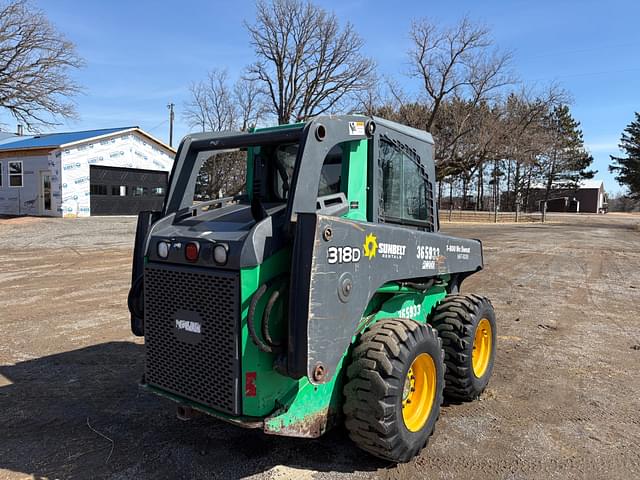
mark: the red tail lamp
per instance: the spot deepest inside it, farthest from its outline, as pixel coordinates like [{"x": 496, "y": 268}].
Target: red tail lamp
[{"x": 191, "y": 251}]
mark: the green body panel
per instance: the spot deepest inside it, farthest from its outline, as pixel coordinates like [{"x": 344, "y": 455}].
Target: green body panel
[
  {"x": 278, "y": 127},
  {"x": 415, "y": 305},
  {"x": 309, "y": 410},
  {"x": 294, "y": 406},
  {"x": 249, "y": 177},
  {"x": 270, "y": 385},
  {"x": 356, "y": 180}
]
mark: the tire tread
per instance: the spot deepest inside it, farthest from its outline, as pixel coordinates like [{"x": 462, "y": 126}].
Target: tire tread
[
  {"x": 454, "y": 319},
  {"x": 374, "y": 381}
]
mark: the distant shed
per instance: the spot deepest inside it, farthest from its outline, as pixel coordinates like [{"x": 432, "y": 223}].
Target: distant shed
[{"x": 589, "y": 197}]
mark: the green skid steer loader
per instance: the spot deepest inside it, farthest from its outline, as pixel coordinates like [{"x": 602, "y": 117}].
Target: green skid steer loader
[{"x": 321, "y": 294}]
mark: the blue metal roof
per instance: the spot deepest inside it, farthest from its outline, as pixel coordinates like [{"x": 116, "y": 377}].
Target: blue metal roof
[{"x": 54, "y": 140}]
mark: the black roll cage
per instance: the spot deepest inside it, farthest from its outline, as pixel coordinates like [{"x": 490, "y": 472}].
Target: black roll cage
[
  {"x": 184, "y": 175},
  {"x": 306, "y": 173}
]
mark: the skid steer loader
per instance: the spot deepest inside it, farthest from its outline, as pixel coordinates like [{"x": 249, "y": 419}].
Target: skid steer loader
[{"x": 323, "y": 293}]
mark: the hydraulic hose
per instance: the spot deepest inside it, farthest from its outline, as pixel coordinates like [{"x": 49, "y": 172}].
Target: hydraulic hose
[
  {"x": 263, "y": 347},
  {"x": 267, "y": 316},
  {"x": 268, "y": 345}
]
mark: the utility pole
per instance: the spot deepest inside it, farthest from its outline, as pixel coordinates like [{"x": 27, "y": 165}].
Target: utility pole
[{"x": 171, "y": 115}]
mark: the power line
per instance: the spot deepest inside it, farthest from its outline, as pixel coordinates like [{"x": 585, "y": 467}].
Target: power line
[{"x": 157, "y": 126}]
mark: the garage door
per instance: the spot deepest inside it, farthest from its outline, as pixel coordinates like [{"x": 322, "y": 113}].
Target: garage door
[{"x": 125, "y": 191}]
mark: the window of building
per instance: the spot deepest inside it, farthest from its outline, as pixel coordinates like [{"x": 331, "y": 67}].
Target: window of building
[
  {"x": 158, "y": 191},
  {"x": 140, "y": 191},
  {"x": 97, "y": 189},
  {"x": 119, "y": 190},
  {"x": 407, "y": 194},
  {"x": 15, "y": 173}
]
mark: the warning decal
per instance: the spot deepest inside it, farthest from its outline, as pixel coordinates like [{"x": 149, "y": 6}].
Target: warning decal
[{"x": 356, "y": 128}]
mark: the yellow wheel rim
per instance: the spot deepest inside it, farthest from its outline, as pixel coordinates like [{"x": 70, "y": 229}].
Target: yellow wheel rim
[
  {"x": 481, "y": 348},
  {"x": 419, "y": 392}
]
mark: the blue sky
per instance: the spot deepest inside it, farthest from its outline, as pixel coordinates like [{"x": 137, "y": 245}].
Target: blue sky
[{"x": 141, "y": 55}]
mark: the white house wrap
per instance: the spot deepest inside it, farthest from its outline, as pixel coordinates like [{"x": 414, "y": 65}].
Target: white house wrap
[{"x": 52, "y": 174}]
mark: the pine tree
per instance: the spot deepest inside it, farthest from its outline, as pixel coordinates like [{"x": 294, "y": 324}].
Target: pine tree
[
  {"x": 567, "y": 161},
  {"x": 627, "y": 169}
]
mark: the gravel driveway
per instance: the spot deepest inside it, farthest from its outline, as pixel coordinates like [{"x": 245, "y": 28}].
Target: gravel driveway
[{"x": 563, "y": 402}]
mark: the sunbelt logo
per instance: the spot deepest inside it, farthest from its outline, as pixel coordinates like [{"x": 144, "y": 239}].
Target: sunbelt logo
[
  {"x": 370, "y": 246},
  {"x": 386, "y": 250}
]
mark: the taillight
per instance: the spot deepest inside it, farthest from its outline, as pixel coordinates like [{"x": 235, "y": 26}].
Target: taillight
[{"x": 191, "y": 251}]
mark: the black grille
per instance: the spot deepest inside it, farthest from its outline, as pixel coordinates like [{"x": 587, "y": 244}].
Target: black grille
[{"x": 203, "y": 367}]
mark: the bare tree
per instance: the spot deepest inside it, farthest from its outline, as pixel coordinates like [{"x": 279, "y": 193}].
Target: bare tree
[
  {"x": 458, "y": 62},
  {"x": 211, "y": 106},
  {"x": 250, "y": 106},
  {"x": 216, "y": 105},
  {"x": 35, "y": 61},
  {"x": 307, "y": 64}
]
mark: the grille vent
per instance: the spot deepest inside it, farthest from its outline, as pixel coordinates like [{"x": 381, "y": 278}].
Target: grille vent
[{"x": 203, "y": 367}]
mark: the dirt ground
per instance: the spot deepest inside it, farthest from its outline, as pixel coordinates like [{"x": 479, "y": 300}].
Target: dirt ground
[{"x": 564, "y": 401}]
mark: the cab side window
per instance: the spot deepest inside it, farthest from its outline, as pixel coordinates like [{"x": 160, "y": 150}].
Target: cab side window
[
  {"x": 331, "y": 173},
  {"x": 406, "y": 191}
]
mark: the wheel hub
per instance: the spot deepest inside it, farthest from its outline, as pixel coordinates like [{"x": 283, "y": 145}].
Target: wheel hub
[
  {"x": 419, "y": 391},
  {"x": 481, "y": 348}
]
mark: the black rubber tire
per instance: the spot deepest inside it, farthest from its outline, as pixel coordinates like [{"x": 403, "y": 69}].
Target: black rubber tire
[
  {"x": 456, "y": 320},
  {"x": 373, "y": 392}
]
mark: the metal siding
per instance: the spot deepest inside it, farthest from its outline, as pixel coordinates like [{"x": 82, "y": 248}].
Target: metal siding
[
  {"x": 128, "y": 204},
  {"x": 588, "y": 198}
]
